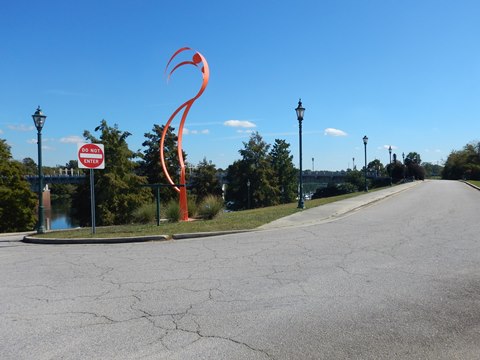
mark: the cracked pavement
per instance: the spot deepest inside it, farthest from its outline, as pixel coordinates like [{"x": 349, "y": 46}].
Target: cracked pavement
[{"x": 399, "y": 279}]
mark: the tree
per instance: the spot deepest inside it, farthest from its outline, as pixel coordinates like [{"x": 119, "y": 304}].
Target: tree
[
  {"x": 414, "y": 169},
  {"x": 204, "y": 180},
  {"x": 432, "y": 170},
  {"x": 72, "y": 164},
  {"x": 376, "y": 167},
  {"x": 285, "y": 172},
  {"x": 17, "y": 201},
  {"x": 397, "y": 171},
  {"x": 413, "y": 157},
  {"x": 29, "y": 166},
  {"x": 464, "y": 163},
  {"x": 251, "y": 180},
  {"x": 118, "y": 190},
  {"x": 150, "y": 165},
  {"x": 356, "y": 178}
]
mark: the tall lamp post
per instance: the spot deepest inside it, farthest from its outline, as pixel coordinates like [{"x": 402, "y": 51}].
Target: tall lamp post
[
  {"x": 365, "y": 141},
  {"x": 300, "y": 111},
  {"x": 248, "y": 193},
  {"x": 39, "y": 120},
  {"x": 390, "y": 166}
]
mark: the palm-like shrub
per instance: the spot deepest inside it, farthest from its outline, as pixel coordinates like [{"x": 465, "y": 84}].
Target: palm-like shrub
[
  {"x": 210, "y": 207},
  {"x": 145, "y": 214},
  {"x": 172, "y": 211}
]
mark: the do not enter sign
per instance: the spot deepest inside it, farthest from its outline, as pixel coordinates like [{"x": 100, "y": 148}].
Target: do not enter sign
[{"x": 91, "y": 156}]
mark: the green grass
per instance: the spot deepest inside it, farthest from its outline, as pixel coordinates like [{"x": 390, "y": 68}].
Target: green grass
[
  {"x": 238, "y": 220},
  {"x": 474, "y": 182}
]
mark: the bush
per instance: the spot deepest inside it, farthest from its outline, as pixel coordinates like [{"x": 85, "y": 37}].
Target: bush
[
  {"x": 380, "y": 182},
  {"x": 210, "y": 207},
  {"x": 145, "y": 214},
  {"x": 334, "y": 190},
  {"x": 172, "y": 211},
  {"x": 192, "y": 206},
  {"x": 346, "y": 188}
]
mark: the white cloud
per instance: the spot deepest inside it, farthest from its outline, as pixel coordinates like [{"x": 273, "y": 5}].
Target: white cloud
[
  {"x": 386, "y": 147},
  {"x": 434, "y": 151},
  {"x": 72, "y": 139},
  {"x": 21, "y": 127},
  {"x": 239, "y": 123},
  {"x": 32, "y": 141},
  {"x": 1, "y": 131},
  {"x": 195, "y": 132},
  {"x": 240, "y": 131},
  {"x": 334, "y": 132}
]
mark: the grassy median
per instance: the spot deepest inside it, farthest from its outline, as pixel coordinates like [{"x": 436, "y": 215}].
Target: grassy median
[
  {"x": 237, "y": 220},
  {"x": 474, "y": 182}
]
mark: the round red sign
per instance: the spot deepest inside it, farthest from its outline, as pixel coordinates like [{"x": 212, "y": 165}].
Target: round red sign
[{"x": 90, "y": 156}]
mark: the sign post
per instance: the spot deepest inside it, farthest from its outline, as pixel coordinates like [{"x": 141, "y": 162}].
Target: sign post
[{"x": 91, "y": 156}]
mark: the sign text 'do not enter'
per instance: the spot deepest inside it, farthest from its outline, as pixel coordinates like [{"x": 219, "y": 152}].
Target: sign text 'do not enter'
[{"x": 91, "y": 156}]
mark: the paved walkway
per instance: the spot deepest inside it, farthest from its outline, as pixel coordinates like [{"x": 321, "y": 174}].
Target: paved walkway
[
  {"x": 314, "y": 215},
  {"x": 339, "y": 208}
]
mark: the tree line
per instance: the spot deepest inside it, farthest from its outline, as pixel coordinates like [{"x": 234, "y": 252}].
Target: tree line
[
  {"x": 463, "y": 164},
  {"x": 264, "y": 175},
  {"x": 122, "y": 187}
]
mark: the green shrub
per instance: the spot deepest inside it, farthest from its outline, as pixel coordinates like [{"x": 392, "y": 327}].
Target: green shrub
[
  {"x": 192, "y": 206},
  {"x": 172, "y": 211},
  {"x": 145, "y": 214},
  {"x": 334, "y": 190},
  {"x": 210, "y": 207}
]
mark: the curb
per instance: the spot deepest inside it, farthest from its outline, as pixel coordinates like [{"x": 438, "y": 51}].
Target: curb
[
  {"x": 119, "y": 240},
  {"x": 473, "y": 186},
  {"x": 205, "y": 234},
  {"x": 123, "y": 240}
]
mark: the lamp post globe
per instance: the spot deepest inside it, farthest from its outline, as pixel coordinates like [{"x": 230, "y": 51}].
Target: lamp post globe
[
  {"x": 39, "y": 120},
  {"x": 390, "y": 152},
  {"x": 365, "y": 141},
  {"x": 300, "y": 110}
]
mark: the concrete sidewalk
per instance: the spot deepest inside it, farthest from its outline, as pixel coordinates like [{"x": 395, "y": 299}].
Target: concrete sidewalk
[
  {"x": 336, "y": 209},
  {"x": 311, "y": 216}
]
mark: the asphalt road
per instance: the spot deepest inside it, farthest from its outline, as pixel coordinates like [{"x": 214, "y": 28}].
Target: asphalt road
[{"x": 399, "y": 279}]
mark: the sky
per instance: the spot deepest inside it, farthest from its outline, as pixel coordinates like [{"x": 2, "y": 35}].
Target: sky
[{"x": 406, "y": 73}]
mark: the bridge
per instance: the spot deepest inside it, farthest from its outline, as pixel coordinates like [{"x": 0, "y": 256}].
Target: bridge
[{"x": 56, "y": 179}]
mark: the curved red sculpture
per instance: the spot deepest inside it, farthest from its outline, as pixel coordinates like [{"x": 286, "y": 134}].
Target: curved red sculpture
[{"x": 197, "y": 61}]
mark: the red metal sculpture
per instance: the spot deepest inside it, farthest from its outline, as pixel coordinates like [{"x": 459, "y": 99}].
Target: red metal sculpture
[{"x": 197, "y": 61}]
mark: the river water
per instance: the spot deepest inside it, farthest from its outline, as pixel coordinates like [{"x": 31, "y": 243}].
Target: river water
[{"x": 60, "y": 216}]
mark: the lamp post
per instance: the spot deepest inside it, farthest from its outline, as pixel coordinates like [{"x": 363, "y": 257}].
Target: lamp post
[
  {"x": 365, "y": 141},
  {"x": 390, "y": 165},
  {"x": 300, "y": 110},
  {"x": 248, "y": 193},
  {"x": 39, "y": 120}
]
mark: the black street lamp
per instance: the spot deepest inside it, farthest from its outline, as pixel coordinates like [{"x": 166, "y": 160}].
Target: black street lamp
[
  {"x": 39, "y": 120},
  {"x": 390, "y": 166},
  {"x": 300, "y": 111},
  {"x": 248, "y": 193},
  {"x": 365, "y": 141}
]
